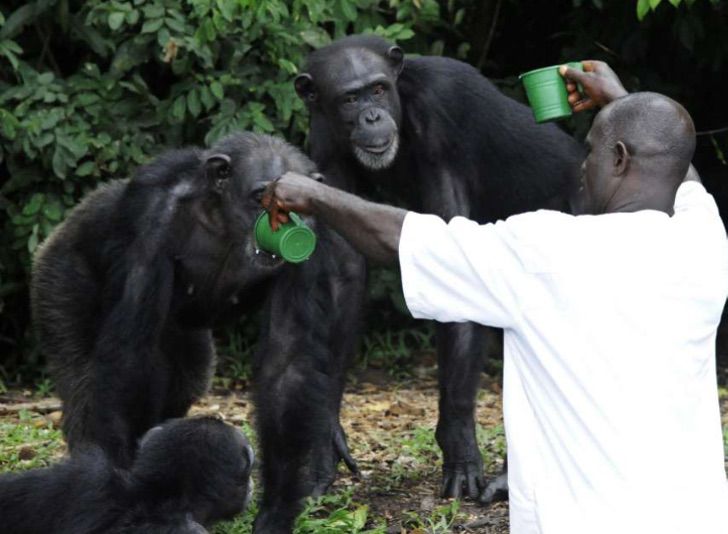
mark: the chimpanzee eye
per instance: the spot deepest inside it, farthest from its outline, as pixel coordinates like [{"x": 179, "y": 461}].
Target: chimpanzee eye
[
  {"x": 350, "y": 99},
  {"x": 378, "y": 89}
]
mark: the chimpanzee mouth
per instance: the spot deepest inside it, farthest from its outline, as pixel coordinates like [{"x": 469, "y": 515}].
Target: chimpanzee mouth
[
  {"x": 262, "y": 258},
  {"x": 377, "y": 157},
  {"x": 379, "y": 149}
]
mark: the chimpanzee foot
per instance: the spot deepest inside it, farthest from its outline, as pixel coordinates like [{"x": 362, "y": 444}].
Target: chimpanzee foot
[
  {"x": 462, "y": 469},
  {"x": 324, "y": 472},
  {"x": 495, "y": 490},
  {"x": 272, "y": 521},
  {"x": 341, "y": 449},
  {"x": 462, "y": 479}
]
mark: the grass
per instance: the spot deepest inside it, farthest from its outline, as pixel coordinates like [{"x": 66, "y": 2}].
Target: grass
[{"x": 31, "y": 442}]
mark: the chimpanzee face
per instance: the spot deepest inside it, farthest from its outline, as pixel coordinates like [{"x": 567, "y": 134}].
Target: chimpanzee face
[
  {"x": 202, "y": 460},
  {"x": 218, "y": 251},
  {"x": 357, "y": 92}
]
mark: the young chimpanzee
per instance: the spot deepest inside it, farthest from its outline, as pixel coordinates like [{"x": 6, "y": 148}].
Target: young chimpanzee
[
  {"x": 442, "y": 136},
  {"x": 125, "y": 291},
  {"x": 188, "y": 474}
]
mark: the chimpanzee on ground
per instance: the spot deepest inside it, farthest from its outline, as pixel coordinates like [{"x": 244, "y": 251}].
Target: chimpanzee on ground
[
  {"x": 436, "y": 131},
  {"x": 125, "y": 291},
  {"x": 188, "y": 474}
]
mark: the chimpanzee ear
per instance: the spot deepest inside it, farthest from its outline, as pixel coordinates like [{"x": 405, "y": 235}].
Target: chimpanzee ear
[
  {"x": 217, "y": 166},
  {"x": 305, "y": 87},
  {"x": 396, "y": 58}
]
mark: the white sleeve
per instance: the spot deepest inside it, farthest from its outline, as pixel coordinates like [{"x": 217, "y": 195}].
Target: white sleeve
[
  {"x": 461, "y": 271},
  {"x": 692, "y": 196}
]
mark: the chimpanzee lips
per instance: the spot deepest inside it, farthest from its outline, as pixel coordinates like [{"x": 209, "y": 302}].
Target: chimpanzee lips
[
  {"x": 378, "y": 157},
  {"x": 379, "y": 148}
]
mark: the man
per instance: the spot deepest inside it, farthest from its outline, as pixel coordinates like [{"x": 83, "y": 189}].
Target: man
[{"x": 610, "y": 397}]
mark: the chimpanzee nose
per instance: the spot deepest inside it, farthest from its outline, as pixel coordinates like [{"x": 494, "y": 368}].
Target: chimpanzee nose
[{"x": 372, "y": 115}]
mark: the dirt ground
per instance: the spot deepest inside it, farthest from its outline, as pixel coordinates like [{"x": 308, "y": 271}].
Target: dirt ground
[{"x": 390, "y": 427}]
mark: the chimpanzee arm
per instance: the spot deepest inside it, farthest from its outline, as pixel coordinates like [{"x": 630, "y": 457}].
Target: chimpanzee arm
[{"x": 139, "y": 288}]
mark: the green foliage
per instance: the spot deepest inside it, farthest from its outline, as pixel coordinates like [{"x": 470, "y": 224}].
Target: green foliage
[
  {"x": 645, "y": 6},
  {"x": 335, "y": 514},
  {"x": 91, "y": 90},
  {"x": 440, "y": 521}
]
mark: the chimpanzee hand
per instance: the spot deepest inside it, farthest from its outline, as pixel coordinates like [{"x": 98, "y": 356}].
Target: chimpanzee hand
[
  {"x": 291, "y": 192},
  {"x": 599, "y": 83}
]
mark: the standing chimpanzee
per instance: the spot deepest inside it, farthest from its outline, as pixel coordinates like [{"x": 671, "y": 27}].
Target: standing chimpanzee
[
  {"x": 188, "y": 474},
  {"x": 436, "y": 131},
  {"x": 125, "y": 291}
]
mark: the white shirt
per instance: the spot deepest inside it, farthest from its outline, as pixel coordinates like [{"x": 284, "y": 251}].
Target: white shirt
[{"x": 610, "y": 397}]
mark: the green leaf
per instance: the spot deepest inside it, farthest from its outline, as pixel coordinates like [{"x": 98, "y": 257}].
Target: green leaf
[
  {"x": 193, "y": 103},
  {"x": 643, "y": 7},
  {"x": 59, "y": 162},
  {"x": 153, "y": 11},
  {"x": 654, "y": 4},
  {"x": 217, "y": 90},
  {"x": 675, "y": 3},
  {"x": 151, "y": 26},
  {"x": 206, "y": 97},
  {"x": 85, "y": 168},
  {"x": 348, "y": 10},
  {"x": 52, "y": 211},
  {"x": 45, "y": 78},
  {"x": 116, "y": 19},
  {"x": 178, "y": 107},
  {"x": 315, "y": 37},
  {"x": 33, "y": 240},
  {"x": 33, "y": 207}
]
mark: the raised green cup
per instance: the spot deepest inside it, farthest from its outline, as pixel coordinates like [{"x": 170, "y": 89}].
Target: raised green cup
[
  {"x": 293, "y": 241},
  {"x": 546, "y": 91}
]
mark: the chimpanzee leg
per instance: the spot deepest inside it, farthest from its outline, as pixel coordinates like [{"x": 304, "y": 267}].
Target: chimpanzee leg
[
  {"x": 292, "y": 414},
  {"x": 347, "y": 288},
  {"x": 461, "y": 356},
  {"x": 190, "y": 362}
]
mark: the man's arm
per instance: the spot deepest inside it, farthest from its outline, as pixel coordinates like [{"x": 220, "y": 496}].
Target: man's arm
[{"x": 373, "y": 229}]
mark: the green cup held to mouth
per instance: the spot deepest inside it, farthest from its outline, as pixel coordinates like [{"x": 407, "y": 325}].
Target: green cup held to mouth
[
  {"x": 293, "y": 241},
  {"x": 546, "y": 91}
]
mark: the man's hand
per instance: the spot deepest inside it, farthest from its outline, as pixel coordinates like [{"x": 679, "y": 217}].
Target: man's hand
[
  {"x": 598, "y": 81},
  {"x": 291, "y": 192}
]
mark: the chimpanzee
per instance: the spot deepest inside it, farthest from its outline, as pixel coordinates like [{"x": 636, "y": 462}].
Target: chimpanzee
[
  {"x": 125, "y": 291},
  {"x": 445, "y": 139},
  {"x": 188, "y": 474}
]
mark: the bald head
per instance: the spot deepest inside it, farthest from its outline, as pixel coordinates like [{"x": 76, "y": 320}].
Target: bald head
[
  {"x": 640, "y": 148},
  {"x": 657, "y": 131}
]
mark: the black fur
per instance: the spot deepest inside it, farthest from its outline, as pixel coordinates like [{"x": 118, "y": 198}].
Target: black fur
[
  {"x": 125, "y": 291},
  {"x": 463, "y": 149},
  {"x": 188, "y": 474}
]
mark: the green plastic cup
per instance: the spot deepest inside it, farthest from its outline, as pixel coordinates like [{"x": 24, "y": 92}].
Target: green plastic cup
[
  {"x": 293, "y": 241},
  {"x": 546, "y": 91}
]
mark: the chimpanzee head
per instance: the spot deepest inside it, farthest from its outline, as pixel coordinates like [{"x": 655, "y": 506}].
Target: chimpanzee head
[
  {"x": 216, "y": 233},
  {"x": 352, "y": 83},
  {"x": 197, "y": 465}
]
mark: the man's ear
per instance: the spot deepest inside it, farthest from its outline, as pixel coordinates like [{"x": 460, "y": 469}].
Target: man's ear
[
  {"x": 622, "y": 159},
  {"x": 305, "y": 87}
]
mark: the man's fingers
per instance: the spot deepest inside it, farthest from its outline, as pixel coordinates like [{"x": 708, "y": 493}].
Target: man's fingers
[
  {"x": 570, "y": 87},
  {"x": 573, "y": 75},
  {"x": 589, "y": 65},
  {"x": 583, "y": 105}
]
